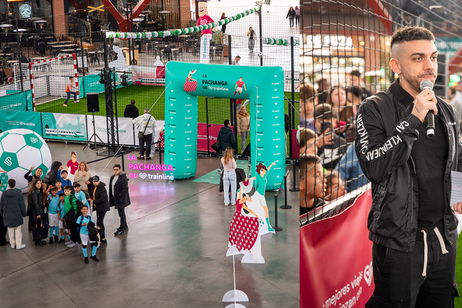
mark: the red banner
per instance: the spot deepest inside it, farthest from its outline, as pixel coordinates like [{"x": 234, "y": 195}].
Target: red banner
[
  {"x": 295, "y": 145},
  {"x": 214, "y": 129},
  {"x": 336, "y": 259}
]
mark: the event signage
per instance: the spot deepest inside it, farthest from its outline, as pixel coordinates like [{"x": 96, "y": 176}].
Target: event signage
[
  {"x": 18, "y": 119},
  {"x": 263, "y": 86},
  {"x": 147, "y": 171},
  {"x": 71, "y": 127},
  {"x": 336, "y": 259}
]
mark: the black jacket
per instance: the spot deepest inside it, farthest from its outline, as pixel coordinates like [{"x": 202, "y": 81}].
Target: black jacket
[
  {"x": 385, "y": 134},
  {"x": 226, "y": 138},
  {"x": 12, "y": 208},
  {"x": 121, "y": 196},
  {"x": 100, "y": 202},
  {"x": 131, "y": 111}
]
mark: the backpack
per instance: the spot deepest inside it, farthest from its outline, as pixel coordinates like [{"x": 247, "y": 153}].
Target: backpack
[{"x": 92, "y": 232}]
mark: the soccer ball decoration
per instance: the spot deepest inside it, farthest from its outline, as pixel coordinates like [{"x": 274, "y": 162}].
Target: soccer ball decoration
[{"x": 21, "y": 149}]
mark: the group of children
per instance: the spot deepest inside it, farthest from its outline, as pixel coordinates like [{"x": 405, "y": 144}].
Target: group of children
[{"x": 69, "y": 215}]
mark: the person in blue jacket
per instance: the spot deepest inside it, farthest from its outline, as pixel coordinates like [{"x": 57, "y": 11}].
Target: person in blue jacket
[{"x": 82, "y": 222}]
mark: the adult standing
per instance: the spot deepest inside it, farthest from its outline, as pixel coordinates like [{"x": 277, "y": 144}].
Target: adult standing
[
  {"x": 297, "y": 15},
  {"x": 131, "y": 111},
  {"x": 411, "y": 221},
  {"x": 83, "y": 177},
  {"x": 100, "y": 204},
  {"x": 119, "y": 197},
  {"x": 13, "y": 210},
  {"x": 243, "y": 126},
  {"x": 229, "y": 176},
  {"x": 456, "y": 101},
  {"x": 226, "y": 137},
  {"x": 37, "y": 175},
  {"x": 36, "y": 210},
  {"x": 291, "y": 15},
  {"x": 251, "y": 35},
  {"x": 146, "y": 125},
  {"x": 223, "y": 27}
]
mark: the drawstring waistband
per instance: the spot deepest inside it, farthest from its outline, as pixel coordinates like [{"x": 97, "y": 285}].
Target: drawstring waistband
[
  {"x": 440, "y": 239},
  {"x": 424, "y": 270},
  {"x": 442, "y": 246}
]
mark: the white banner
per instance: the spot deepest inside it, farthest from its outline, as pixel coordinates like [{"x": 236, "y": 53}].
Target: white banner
[
  {"x": 127, "y": 134},
  {"x": 205, "y": 48}
]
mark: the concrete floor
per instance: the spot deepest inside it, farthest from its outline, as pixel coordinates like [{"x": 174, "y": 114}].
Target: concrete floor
[{"x": 173, "y": 255}]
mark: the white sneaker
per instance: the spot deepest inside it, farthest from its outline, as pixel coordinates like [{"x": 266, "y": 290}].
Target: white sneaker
[
  {"x": 72, "y": 244},
  {"x": 13, "y": 246},
  {"x": 21, "y": 246},
  {"x": 68, "y": 243}
]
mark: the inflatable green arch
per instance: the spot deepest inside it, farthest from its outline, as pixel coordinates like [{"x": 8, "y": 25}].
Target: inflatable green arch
[{"x": 263, "y": 86}]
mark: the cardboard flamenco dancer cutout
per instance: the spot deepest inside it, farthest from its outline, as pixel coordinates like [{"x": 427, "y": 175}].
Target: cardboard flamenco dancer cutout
[
  {"x": 247, "y": 225},
  {"x": 206, "y": 36}
]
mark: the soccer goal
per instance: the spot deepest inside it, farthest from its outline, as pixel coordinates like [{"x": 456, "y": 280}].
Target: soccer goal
[{"x": 47, "y": 78}]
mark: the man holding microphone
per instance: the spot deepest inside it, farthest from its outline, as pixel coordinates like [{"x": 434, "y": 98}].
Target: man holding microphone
[{"x": 409, "y": 163}]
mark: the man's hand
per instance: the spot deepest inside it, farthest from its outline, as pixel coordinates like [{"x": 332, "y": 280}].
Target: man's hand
[
  {"x": 326, "y": 138},
  {"x": 424, "y": 102},
  {"x": 457, "y": 207}
]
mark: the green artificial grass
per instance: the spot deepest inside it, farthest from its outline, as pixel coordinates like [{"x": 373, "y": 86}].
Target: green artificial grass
[
  {"x": 147, "y": 97},
  {"x": 458, "y": 301}
]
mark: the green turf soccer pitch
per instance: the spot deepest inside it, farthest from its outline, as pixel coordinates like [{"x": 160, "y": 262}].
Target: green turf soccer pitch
[{"x": 151, "y": 96}]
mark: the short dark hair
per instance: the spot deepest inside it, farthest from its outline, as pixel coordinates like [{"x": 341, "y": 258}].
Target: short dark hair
[
  {"x": 11, "y": 183},
  {"x": 355, "y": 73},
  {"x": 325, "y": 112},
  {"x": 305, "y": 135},
  {"x": 54, "y": 189},
  {"x": 226, "y": 122},
  {"x": 407, "y": 34},
  {"x": 306, "y": 162},
  {"x": 67, "y": 187},
  {"x": 117, "y": 166},
  {"x": 76, "y": 184},
  {"x": 356, "y": 91},
  {"x": 307, "y": 91},
  {"x": 58, "y": 181},
  {"x": 132, "y": 102},
  {"x": 63, "y": 171}
]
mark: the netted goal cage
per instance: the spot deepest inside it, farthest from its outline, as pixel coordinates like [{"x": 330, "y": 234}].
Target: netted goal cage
[
  {"x": 48, "y": 78},
  {"x": 344, "y": 58}
]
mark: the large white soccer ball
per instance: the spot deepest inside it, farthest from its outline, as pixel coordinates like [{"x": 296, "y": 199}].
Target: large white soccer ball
[{"x": 21, "y": 149}]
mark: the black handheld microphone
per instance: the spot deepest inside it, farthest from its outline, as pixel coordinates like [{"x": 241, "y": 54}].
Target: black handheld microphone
[{"x": 429, "y": 118}]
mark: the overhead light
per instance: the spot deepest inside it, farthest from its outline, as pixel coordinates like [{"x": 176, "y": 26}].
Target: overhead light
[{"x": 433, "y": 7}]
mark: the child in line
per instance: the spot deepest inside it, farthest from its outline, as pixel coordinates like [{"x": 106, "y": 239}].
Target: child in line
[
  {"x": 62, "y": 230},
  {"x": 63, "y": 177},
  {"x": 53, "y": 214},
  {"x": 69, "y": 215},
  {"x": 59, "y": 186},
  {"x": 80, "y": 195},
  {"x": 83, "y": 221}
]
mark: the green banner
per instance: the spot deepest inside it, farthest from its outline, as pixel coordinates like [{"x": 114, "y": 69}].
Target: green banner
[
  {"x": 448, "y": 44},
  {"x": 20, "y": 119},
  {"x": 64, "y": 126},
  {"x": 15, "y": 100}
]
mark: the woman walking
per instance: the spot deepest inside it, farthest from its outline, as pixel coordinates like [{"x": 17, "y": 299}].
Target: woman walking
[
  {"x": 243, "y": 126},
  {"x": 229, "y": 176},
  {"x": 251, "y": 35},
  {"x": 291, "y": 15},
  {"x": 297, "y": 15}
]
